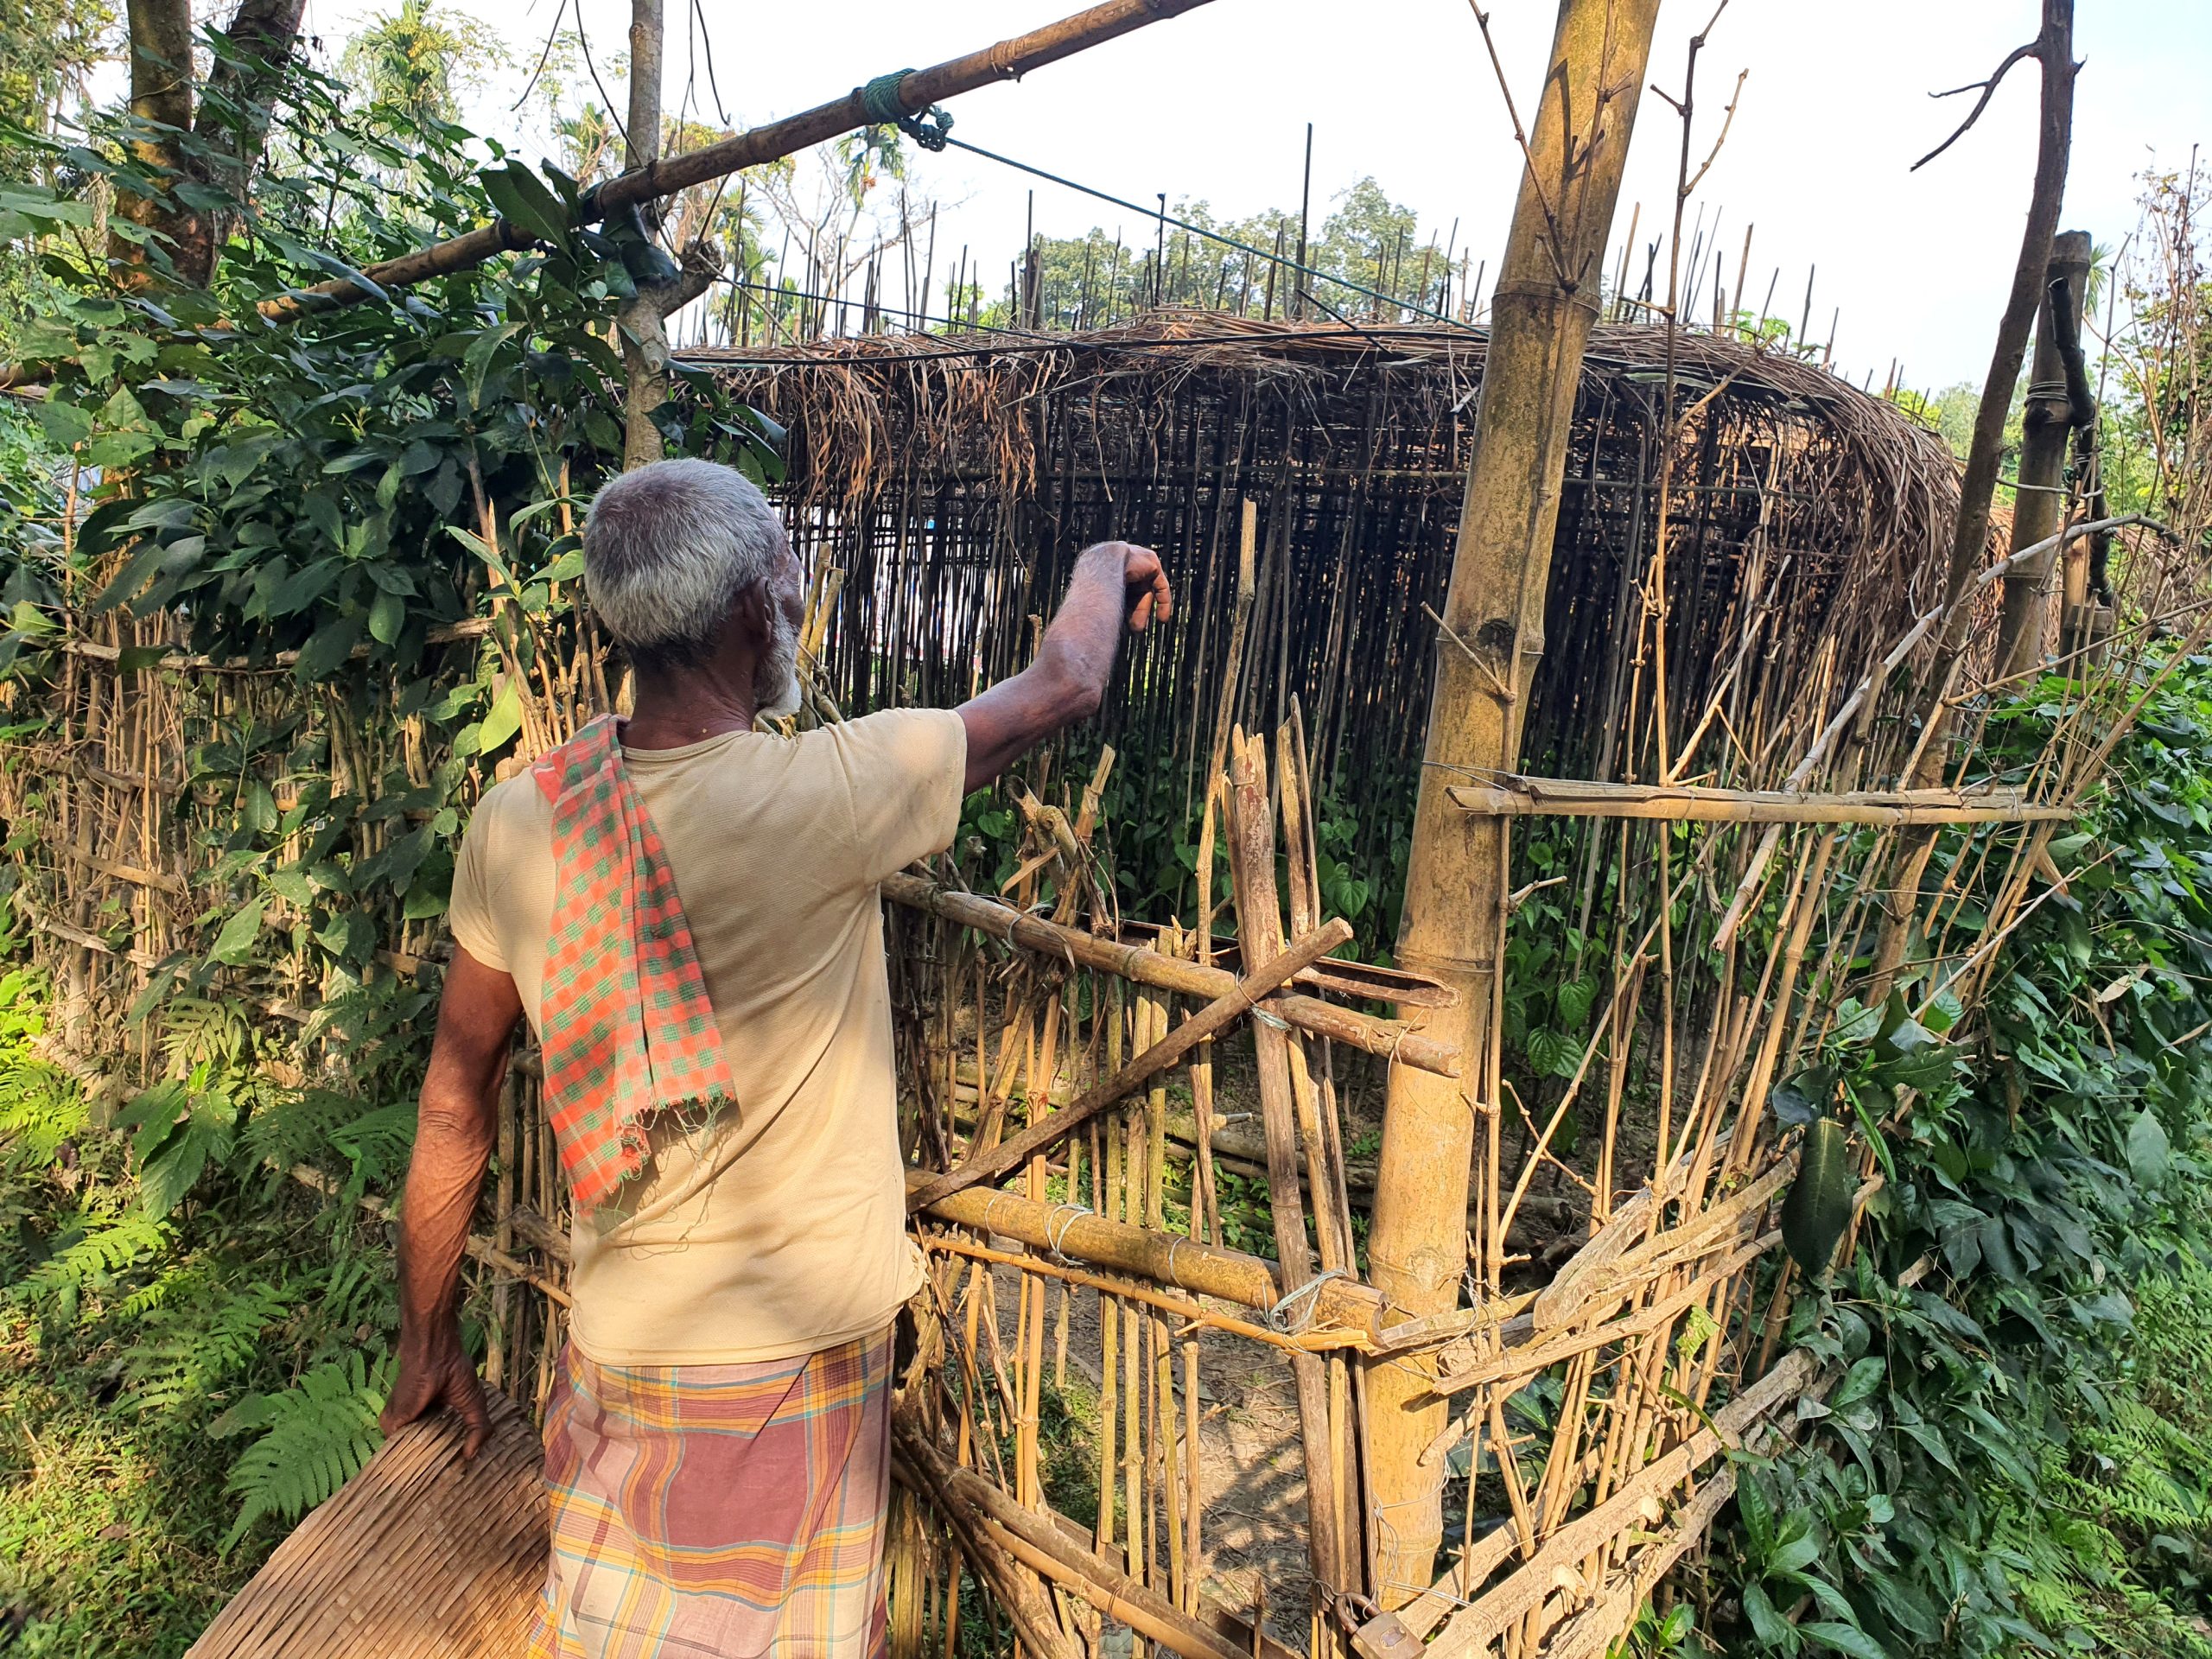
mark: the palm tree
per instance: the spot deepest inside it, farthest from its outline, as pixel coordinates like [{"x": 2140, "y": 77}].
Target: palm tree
[{"x": 418, "y": 60}]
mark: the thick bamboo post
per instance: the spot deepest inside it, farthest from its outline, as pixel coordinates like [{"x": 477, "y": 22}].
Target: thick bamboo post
[
  {"x": 1542, "y": 308},
  {"x": 2044, "y": 428}
]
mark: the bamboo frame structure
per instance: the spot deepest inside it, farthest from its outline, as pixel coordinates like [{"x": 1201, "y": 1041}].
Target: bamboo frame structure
[{"x": 1092, "y": 1292}]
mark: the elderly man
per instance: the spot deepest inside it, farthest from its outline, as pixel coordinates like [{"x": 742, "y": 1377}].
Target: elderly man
[{"x": 686, "y": 910}]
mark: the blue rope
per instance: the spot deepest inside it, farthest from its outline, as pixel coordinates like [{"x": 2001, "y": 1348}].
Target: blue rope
[{"x": 881, "y": 100}]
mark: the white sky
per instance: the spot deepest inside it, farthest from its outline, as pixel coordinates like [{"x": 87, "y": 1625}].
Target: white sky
[{"x": 1213, "y": 106}]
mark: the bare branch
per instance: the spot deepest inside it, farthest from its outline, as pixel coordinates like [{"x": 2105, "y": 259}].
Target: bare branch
[
  {"x": 1988, "y": 90},
  {"x": 1727, "y": 120},
  {"x": 1528, "y": 156}
]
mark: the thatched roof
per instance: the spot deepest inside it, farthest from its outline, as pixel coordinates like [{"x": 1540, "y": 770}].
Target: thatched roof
[{"x": 952, "y": 479}]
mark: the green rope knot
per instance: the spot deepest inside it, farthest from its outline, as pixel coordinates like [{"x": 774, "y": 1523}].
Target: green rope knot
[{"x": 880, "y": 99}]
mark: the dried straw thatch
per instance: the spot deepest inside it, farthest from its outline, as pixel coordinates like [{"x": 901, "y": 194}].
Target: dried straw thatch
[{"x": 952, "y": 481}]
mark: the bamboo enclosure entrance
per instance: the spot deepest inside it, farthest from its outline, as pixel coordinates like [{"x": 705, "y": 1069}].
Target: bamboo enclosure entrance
[{"x": 1133, "y": 1070}]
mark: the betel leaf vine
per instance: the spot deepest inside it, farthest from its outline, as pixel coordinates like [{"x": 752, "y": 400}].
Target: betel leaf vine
[{"x": 2015, "y": 1456}]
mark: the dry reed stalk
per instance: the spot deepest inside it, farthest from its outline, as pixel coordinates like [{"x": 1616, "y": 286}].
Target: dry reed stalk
[{"x": 1259, "y": 924}]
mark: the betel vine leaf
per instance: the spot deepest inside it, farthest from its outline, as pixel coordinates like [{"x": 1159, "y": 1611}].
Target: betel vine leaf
[
  {"x": 2015, "y": 1457},
  {"x": 1818, "y": 1207}
]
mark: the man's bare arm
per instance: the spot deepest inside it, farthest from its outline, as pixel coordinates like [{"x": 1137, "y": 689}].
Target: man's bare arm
[
  {"x": 1116, "y": 586},
  {"x": 453, "y": 1139}
]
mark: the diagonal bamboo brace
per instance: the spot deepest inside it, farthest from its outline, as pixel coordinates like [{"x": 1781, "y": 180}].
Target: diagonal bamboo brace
[{"x": 1241, "y": 998}]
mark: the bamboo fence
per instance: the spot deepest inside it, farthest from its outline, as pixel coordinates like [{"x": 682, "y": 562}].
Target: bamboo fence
[{"x": 1727, "y": 712}]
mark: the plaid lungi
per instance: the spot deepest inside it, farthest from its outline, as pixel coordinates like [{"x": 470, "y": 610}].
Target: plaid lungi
[{"x": 721, "y": 1510}]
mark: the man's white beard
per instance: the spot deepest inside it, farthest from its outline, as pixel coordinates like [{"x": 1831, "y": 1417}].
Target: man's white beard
[{"x": 775, "y": 682}]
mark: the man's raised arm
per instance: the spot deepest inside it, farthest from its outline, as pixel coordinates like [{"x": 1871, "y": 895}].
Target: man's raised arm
[
  {"x": 453, "y": 1139},
  {"x": 1116, "y": 586}
]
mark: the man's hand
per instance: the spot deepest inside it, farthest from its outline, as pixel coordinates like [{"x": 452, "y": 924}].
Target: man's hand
[
  {"x": 1116, "y": 585},
  {"x": 435, "y": 1371},
  {"x": 1146, "y": 595}
]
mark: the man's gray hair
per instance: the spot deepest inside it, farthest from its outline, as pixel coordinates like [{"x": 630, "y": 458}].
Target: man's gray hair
[{"x": 667, "y": 549}]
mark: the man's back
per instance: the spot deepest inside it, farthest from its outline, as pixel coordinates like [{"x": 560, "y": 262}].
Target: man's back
[{"x": 781, "y": 1232}]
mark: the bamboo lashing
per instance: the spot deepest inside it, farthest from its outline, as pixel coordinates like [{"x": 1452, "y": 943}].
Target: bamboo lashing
[
  {"x": 1385, "y": 1037},
  {"x": 1243, "y": 997}
]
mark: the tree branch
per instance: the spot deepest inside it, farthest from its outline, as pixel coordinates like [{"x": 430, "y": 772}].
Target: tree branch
[
  {"x": 1727, "y": 120},
  {"x": 1988, "y": 90}
]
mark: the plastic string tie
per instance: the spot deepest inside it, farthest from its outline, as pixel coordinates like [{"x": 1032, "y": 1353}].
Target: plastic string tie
[
  {"x": 932, "y": 130},
  {"x": 1279, "y": 1318},
  {"x": 1066, "y": 1214}
]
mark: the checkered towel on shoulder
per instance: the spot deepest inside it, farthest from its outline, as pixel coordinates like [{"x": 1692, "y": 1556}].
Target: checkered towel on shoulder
[
  {"x": 627, "y": 1027},
  {"x": 722, "y": 1511}
]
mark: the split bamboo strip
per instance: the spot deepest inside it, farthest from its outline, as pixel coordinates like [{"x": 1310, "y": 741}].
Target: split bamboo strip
[
  {"x": 458, "y": 1561},
  {"x": 1558, "y": 797},
  {"x": 1470, "y": 1631}
]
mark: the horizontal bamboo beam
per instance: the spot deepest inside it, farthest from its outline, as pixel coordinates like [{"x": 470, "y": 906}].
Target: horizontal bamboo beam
[
  {"x": 1240, "y": 999},
  {"x": 1164, "y": 1258},
  {"x": 1009, "y": 61},
  {"x": 1146, "y": 967},
  {"x": 1520, "y": 797},
  {"x": 474, "y": 627}
]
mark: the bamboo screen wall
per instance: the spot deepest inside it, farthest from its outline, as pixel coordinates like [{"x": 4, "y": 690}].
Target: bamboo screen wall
[{"x": 1071, "y": 1085}]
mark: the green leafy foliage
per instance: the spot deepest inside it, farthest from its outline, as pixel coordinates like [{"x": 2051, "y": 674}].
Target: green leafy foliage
[
  {"x": 310, "y": 1440},
  {"x": 2013, "y": 1457}
]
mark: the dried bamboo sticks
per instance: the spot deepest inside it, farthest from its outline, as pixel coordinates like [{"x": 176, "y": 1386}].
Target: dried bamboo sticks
[
  {"x": 1244, "y": 996},
  {"x": 1386, "y": 1037},
  {"x": 1552, "y": 797}
]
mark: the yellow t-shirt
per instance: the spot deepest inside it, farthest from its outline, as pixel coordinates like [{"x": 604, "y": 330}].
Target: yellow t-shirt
[{"x": 781, "y": 1230}]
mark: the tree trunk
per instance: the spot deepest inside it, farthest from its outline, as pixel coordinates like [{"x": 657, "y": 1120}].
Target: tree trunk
[
  {"x": 231, "y": 122},
  {"x": 161, "y": 95},
  {"x": 1544, "y": 303},
  {"x": 2045, "y": 428},
  {"x": 2054, "y": 48},
  {"x": 644, "y": 335}
]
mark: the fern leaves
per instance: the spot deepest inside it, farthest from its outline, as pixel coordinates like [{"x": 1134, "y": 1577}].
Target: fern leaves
[
  {"x": 314, "y": 1438},
  {"x": 192, "y": 1357},
  {"x": 99, "y": 1252},
  {"x": 40, "y": 1109}
]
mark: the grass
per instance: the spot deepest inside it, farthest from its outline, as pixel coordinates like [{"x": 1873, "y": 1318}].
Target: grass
[{"x": 108, "y": 1523}]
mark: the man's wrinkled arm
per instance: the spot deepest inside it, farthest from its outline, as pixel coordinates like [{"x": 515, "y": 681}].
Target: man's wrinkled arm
[
  {"x": 453, "y": 1138},
  {"x": 1116, "y": 587}
]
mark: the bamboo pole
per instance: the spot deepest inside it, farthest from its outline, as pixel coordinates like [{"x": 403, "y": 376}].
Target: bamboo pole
[
  {"x": 2039, "y": 502},
  {"x": 1163, "y": 1258},
  {"x": 1259, "y": 932},
  {"x": 1542, "y": 308},
  {"x": 1387, "y": 1038},
  {"x": 917, "y": 90},
  {"x": 1518, "y": 798}
]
